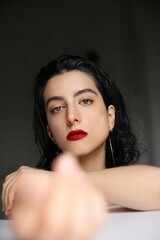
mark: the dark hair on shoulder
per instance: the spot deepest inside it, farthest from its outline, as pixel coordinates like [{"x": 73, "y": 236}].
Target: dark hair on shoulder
[{"x": 124, "y": 142}]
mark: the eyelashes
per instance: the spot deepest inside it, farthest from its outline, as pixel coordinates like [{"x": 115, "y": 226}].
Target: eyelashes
[
  {"x": 86, "y": 101},
  {"x": 83, "y": 102},
  {"x": 57, "y": 109}
]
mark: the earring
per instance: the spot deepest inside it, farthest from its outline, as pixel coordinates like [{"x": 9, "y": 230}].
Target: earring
[{"x": 112, "y": 153}]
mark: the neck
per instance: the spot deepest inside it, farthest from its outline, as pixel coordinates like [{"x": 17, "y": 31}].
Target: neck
[{"x": 93, "y": 161}]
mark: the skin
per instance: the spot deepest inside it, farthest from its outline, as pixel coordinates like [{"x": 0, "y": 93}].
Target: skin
[
  {"x": 75, "y": 110},
  {"x": 136, "y": 187},
  {"x": 47, "y": 208},
  {"x": 78, "y": 110},
  {"x": 56, "y": 207}
]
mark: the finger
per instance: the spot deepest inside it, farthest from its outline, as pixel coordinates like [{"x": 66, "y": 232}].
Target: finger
[
  {"x": 67, "y": 164},
  {"x": 9, "y": 182},
  {"x": 10, "y": 191},
  {"x": 10, "y": 196},
  {"x": 4, "y": 189},
  {"x": 10, "y": 175}
]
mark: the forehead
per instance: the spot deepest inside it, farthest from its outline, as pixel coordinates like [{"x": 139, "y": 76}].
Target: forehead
[{"x": 69, "y": 82}]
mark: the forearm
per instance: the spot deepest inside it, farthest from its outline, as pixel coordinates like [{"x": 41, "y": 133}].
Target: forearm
[{"x": 136, "y": 186}]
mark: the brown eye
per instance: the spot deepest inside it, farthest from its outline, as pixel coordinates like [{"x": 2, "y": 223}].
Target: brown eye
[
  {"x": 56, "y": 109},
  {"x": 86, "y": 101}
]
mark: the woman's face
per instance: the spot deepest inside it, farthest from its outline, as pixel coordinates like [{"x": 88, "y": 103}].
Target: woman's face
[{"x": 77, "y": 117}]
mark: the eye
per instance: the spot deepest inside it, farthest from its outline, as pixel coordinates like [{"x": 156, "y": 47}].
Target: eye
[
  {"x": 86, "y": 101},
  {"x": 57, "y": 109}
]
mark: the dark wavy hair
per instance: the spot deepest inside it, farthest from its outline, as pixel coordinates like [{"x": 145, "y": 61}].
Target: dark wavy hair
[{"x": 124, "y": 142}]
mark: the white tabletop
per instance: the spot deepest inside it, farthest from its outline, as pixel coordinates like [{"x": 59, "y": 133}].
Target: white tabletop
[
  {"x": 122, "y": 224},
  {"x": 125, "y": 224}
]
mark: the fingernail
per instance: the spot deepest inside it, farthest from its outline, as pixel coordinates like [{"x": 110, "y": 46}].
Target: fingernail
[{"x": 8, "y": 207}]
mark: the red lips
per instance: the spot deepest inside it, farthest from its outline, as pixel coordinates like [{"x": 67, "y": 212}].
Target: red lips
[{"x": 76, "y": 135}]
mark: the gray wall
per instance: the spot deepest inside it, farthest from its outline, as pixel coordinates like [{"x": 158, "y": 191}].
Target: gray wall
[{"x": 126, "y": 36}]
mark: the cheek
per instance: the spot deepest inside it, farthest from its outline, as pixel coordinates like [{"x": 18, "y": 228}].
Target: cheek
[
  {"x": 55, "y": 125},
  {"x": 100, "y": 116},
  {"x": 56, "y": 130},
  {"x": 102, "y": 126},
  {"x": 101, "y": 122}
]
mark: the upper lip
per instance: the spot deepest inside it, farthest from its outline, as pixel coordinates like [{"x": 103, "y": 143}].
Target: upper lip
[{"x": 75, "y": 132}]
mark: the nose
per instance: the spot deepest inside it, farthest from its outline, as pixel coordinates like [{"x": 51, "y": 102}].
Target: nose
[{"x": 73, "y": 115}]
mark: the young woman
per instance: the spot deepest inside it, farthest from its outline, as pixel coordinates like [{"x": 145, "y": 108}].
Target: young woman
[{"x": 79, "y": 109}]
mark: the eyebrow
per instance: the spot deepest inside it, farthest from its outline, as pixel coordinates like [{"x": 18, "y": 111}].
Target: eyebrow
[{"x": 55, "y": 98}]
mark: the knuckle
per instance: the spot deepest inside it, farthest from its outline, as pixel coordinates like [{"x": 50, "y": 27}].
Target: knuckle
[
  {"x": 23, "y": 168},
  {"x": 6, "y": 178}
]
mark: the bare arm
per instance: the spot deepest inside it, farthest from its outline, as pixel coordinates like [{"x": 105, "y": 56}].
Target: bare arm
[{"x": 136, "y": 186}]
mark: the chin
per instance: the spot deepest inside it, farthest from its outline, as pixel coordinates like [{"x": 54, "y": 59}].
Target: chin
[{"x": 79, "y": 152}]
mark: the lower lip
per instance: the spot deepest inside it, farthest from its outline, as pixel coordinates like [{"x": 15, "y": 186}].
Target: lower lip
[{"x": 76, "y": 136}]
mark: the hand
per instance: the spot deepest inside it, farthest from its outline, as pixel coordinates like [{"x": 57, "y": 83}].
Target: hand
[
  {"x": 70, "y": 207},
  {"x": 18, "y": 180}
]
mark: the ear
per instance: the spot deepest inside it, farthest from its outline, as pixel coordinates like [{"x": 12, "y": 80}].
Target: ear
[
  {"x": 111, "y": 117},
  {"x": 50, "y": 134}
]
